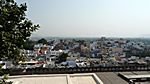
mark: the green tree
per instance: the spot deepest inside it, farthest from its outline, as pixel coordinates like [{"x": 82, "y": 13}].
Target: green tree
[
  {"x": 15, "y": 29},
  {"x": 4, "y": 77},
  {"x": 43, "y": 41},
  {"x": 29, "y": 44},
  {"x": 62, "y": 57}
]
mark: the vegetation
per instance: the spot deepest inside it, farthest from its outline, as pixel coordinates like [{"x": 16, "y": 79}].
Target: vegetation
[
  {"x": 3, "y": 80},
  {"x": 62, "y": 57},
  {"x": 140, "y": 54},
  {"x": 4, "y": 77},
  {"x": 43, "y": 41},
  {"x": 15, "y": 29},
  {"x": 29, "y": 44}
]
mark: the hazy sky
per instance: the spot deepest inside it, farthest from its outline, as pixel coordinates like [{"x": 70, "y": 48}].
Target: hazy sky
[{"x": 90, "y": 18}]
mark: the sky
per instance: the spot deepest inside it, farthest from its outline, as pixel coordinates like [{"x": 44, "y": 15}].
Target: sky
[{"x": 90, "y": 18}]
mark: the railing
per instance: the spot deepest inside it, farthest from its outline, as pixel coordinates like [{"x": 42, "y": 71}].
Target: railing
[{"x": 75, "y": 70}]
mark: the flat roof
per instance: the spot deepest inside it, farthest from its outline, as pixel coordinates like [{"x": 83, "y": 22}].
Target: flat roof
[
  {"x": 110, "y": 78},
  {"x": 136, "y": 74},
  {"x": 84, "y": 78},
  {"x": 40, "y": 80}
]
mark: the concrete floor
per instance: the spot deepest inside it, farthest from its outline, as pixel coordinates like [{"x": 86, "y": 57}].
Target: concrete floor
[
  {"x": 82, "y": 78},
  {"x": 85, "y": 78},
  {"x": 40, "y": 80},
  {"x": 110, "y": 78}
]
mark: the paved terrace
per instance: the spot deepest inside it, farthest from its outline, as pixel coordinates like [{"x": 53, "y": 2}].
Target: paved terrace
[
  {"x": 85, "y": 78},
  {"x": 138, "y": 77},
  {"x": 110, "y": 78},
  {"x": 80, "y": 78}
]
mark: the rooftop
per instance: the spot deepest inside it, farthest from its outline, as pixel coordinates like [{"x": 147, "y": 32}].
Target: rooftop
[
  {"x": 136, "y": 74},
  {"x": 139, "y": 77},
  {"x": 85, "y": 78},
  {"x": 111, "y": 78},
  {"x": 81, "y": 78}
]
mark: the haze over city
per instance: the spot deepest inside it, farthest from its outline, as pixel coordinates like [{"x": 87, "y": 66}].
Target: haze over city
[
  {"x": 74, "y": 42},
  {"x": 90, "y": 18}
]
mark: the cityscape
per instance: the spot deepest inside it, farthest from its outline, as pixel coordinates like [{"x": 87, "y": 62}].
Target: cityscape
[
  {"x": 103, "y": 54},
  {"x": 74, "y": 42},
  {"x": 86, "y": 53}
]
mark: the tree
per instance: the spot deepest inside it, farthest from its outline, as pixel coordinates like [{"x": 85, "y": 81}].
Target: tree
[
  {"x": 62, "y": 57},
  {"x": 4, "y": 77},
  {"x": 29, "y": 44},
  {"x": 43, "y": 41},
  {"x": 15, "y": 29}
]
